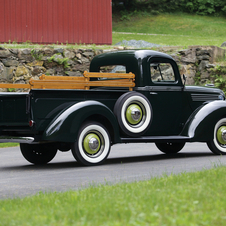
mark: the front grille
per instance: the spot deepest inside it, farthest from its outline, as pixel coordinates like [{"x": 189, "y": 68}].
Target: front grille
[{"x": 204, "y": 97}]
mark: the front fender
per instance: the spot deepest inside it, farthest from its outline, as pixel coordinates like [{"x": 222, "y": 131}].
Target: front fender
[
  {"x": 200, "y": 125},
  {"x": 65, "y": 126}
]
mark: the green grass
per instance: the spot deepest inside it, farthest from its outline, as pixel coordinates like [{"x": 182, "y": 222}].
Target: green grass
[
  {"x": 172, "y": 29},
  {"x": 6, "y": 145},
  {"x": 186, "y": 199}
]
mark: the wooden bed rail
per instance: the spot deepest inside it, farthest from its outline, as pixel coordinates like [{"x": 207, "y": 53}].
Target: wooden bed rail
[{"x": 74, "y": 82}]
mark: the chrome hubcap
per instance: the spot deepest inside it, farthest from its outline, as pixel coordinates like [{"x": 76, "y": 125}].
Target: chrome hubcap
[
  {"x": 135, "y": 114},
  {"x": 93, "y": 144},
  {"x": 223, "y": 135}
]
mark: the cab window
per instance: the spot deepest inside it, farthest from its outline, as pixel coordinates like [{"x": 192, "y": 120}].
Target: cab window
[
  {"x": 162, "y": 72},
  {"x": 113, "y": 69}
]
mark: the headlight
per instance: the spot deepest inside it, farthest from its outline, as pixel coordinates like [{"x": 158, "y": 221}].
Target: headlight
[{"x": 221, "y": 97}]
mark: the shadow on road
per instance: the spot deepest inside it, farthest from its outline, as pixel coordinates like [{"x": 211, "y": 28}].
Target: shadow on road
[
  {"x": 155, "y": 157},
  {"x": 117, "y": 160}
]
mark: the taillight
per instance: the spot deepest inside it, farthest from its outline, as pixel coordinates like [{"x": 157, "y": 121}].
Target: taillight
[{"x": 31, "y": 123}]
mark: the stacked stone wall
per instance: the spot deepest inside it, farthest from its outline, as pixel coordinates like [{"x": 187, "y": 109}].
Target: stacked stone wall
[{"x": 19, "y": 65}]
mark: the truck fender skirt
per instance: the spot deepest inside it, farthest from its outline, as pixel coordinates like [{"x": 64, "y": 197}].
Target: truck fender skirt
[
  {"x": 200, "y": 125},
  {"x": 65, "y": 126}
]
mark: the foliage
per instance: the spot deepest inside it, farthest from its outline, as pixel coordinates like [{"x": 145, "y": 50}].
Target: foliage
[
  {"x": 63, "y": 61},
  {"x": 197, "y": 78},
  {"x": 11, "y": 90},
  {"x": 219, "y": 75},
  {"x": 220, "y": 82},
  {"x": 36, "y": 54},
  {"x": 200, "y": 7}
]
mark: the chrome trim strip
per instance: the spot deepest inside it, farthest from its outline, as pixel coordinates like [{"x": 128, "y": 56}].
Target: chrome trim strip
[
  {"x": 200, "y": 89},
  {"x": 150, "y": 139},
  {"x": 13, "y": 93},
  {"x": 204, "y": 97},
  {"x": 27, "y": 140},
  {"x": 159, "y": 88}
]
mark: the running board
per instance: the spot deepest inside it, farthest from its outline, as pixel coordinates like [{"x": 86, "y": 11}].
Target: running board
[{"x": 152, "y": 139}]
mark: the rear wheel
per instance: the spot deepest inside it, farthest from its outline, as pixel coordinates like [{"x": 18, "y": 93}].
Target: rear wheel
[
  {"x": 93, "y": 144},
  {"x": 170, "y": 147},
  {"x": 218, "y": 144},
  {"x": 38, "y": 153}
]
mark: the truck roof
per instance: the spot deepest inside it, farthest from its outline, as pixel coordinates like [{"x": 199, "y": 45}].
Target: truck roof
[
  {"x": 124, "y": 57},
  {"x": 132, "y": 59}
]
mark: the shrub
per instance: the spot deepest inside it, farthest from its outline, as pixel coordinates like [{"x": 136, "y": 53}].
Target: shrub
[{"x": 201, "y": 7}]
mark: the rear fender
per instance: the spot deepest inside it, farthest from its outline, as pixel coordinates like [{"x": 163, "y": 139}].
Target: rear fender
[
  {"x": 200, "y": 125},
  {"x": 65, "y": 126}
]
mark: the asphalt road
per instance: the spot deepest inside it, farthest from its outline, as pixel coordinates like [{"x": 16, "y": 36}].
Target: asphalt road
[{"x": 126, "y": 162}]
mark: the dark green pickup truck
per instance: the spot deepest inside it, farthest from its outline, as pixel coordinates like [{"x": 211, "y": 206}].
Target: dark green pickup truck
[{"x": 160, "y": 109}]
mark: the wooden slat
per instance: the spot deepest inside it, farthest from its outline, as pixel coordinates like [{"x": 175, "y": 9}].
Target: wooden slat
[
  {"x": 14, "y": 86},
  {"x": 37, "y": 84},
  {"x": 66, "y": 82},
  {"x": 71, "y": 78},
  {"x": 108, "y": 75}
]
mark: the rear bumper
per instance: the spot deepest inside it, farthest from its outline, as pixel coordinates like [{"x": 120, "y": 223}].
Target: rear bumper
[{"x": 27, "y": 140}]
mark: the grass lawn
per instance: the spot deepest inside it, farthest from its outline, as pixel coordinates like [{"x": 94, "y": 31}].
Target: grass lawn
[
  {"x": 172, "y": 29},
  {"x": 185, "y": 199},
  {"x": 6, "y": 145}
]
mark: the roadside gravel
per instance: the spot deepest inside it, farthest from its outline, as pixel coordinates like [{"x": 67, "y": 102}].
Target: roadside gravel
[{"x": 137, "y": 44}]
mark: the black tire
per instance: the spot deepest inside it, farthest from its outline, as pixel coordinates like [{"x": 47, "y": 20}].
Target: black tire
[
  {"x": 82, "y": 149},
  {"x": 218, "y": 144},
  {"x": 170, "y": 147},
  {"x": 134, "y": 113},
  {"x": 64, "y": 147},
  {"x": 38, "y": 153}
]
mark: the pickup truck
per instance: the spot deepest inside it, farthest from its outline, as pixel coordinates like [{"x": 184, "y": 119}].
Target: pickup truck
[{"x": 156, "y": 107}]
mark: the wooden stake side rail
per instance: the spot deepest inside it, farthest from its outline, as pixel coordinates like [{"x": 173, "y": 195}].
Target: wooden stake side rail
[{"x": 66, "y": 82}]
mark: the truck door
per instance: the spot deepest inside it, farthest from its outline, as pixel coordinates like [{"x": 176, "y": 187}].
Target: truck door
[{"x": 168, "y": 100}]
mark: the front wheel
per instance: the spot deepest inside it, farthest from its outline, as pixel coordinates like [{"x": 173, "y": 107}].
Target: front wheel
[
  {"x": 170, "y": 147},
  {"x": 93, "y": 144},
  {"x": 218, "y": 144},
  {"x": 38, "y": 153}
]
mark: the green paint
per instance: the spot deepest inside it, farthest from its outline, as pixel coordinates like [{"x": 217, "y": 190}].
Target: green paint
[
  {"x": 219, "y": 135},
  {"x": 129, "y": 114},
  {"x": 86, "y": 143}
]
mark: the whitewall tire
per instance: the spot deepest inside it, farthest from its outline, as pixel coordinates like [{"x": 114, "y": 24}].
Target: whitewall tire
[
  {"x": 93, "y": 144},
  {"x": 218, "y": 144},
  {"x": 134, "y": 113}
]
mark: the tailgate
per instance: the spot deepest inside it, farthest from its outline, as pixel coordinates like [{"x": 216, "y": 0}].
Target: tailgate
[{"x": 13, "y": 109}]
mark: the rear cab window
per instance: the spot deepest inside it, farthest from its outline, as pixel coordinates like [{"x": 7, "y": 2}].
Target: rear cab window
[{"x": 113, "y": 69}]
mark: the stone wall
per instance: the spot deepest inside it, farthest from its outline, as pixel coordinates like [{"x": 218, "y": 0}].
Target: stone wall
[
  {"x": 19, "y": 65},
  {"x": 198, "y": 63}
]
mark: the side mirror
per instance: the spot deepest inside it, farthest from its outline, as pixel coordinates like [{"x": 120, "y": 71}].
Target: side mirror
[{"x": 184, "y": 78}]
